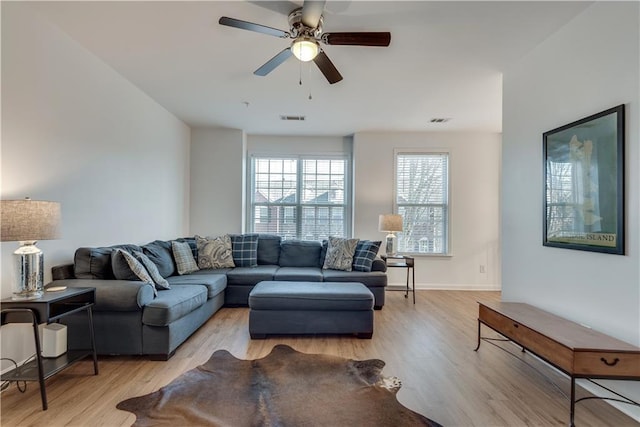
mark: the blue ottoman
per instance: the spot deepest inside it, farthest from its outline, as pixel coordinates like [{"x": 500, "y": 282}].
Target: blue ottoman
[{"x": 282, "y": 307}]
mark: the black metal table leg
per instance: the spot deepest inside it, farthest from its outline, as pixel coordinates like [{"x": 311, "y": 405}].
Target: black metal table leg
[
  {"x": 406, "y": 292},
  {"x": 93, "y": 341},
  {"x": 479, "y": 340},
  {"x": 36, "y": 336},
  {"x": 572, "y": 411},
  {"x": 413, "y": 272}
]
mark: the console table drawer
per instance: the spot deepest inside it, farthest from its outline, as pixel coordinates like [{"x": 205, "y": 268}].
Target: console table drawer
[
  {"x": 607, "y": 364},
  {"x": 534, "y": 341}
]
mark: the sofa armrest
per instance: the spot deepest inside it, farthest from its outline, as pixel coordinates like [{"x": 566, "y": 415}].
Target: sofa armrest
[
  {"x": 114, "y": 295},
  {"x": 379, "y": 265}
]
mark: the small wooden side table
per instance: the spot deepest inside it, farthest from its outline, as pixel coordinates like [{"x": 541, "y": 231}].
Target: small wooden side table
[
  {"x": 51, "y": 307},
  {"x": 403, "y": 261}
]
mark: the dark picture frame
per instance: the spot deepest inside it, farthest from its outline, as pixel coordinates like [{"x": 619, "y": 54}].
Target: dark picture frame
[{"x": 583, "y": 182}]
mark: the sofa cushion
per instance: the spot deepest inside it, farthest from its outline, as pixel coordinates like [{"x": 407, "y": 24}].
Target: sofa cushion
[
  {"x": 173, "y": 304},
  {"x": 245, "y": 249},
  {"x": 340, "y": 254},
  {"x": 159, "y": 281},
  {"x": 299, "y": 253},
  {"x": 268, "y": 249},
  {"x": 185, "y": 263},
  {"x": 160, "y": 252},
  {"x": 95, "y": 263},
  {"x": 374, "y": 279},
  {"x": 300, "y": 274},
  {"x": 214, "y": 252},
  {"x": 323, "y": 252},
  {"x": 215, "y": 283},
  {"x": 366, "y": 251},
  {"x": 249, "y": 276}
]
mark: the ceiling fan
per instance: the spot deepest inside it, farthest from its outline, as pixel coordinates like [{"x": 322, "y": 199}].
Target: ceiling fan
[{"x": 306, "y": 31}]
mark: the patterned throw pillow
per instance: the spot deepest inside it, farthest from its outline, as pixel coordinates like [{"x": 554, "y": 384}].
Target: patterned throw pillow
[
  {"x": 245, "y": 250},
  {"x": 340, "y": 254},
  {"x": 185, "y": 263},
  {"x": 215, "y": 252},
  {"x": 366, "y": 251},
  {"x": 153, "y": 271},
  {"x": 137, "y": 268}
]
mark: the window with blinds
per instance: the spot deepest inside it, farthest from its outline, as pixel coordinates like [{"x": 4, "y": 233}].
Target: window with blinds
[
  {"x": 299, "y": 197},
  {"x": 422, "y": 198}
]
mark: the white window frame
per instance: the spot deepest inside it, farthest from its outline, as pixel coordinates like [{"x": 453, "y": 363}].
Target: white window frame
[
  {"x": 348, "y": 179},
  {"x": 447, "y": 231}
]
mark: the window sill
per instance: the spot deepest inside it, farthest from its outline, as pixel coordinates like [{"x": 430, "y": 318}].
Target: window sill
[{"x": 423, "y": 255}]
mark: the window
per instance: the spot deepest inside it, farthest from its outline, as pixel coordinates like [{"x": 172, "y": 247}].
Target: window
[
  {"x": 300, "y": 197},
  {"x": 422, "y": 198}
]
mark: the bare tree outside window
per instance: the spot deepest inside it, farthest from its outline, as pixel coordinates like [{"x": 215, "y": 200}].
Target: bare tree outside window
[{"x": 422, "y": 187}]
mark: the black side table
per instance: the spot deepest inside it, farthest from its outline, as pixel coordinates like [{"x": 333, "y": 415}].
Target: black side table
[
  {"x": 403, "y": 261},
  {"x": 51, "y": 307}
]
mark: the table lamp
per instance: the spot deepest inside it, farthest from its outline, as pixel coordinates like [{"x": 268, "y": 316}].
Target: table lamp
[
  {"x": 27, "y": 221},
  {"x": 390, "y": 223}
]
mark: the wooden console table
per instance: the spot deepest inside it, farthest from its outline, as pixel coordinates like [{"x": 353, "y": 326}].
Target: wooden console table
[{"x": 574, "y": 349}]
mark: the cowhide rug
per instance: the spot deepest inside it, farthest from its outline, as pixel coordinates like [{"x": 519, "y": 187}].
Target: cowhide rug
[{"x": 286, "y": 388}]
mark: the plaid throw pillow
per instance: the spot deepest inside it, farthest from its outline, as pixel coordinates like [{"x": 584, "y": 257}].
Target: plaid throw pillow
[
  {"x": 245, "y": 250},
  {"x": 137, "y": 268},
  {"x": 185, "y": 263},
  {"x": 366, "y": 252}
]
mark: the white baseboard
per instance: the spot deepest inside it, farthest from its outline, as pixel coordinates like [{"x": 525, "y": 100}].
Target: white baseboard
[{"x": 447, "y": 287}]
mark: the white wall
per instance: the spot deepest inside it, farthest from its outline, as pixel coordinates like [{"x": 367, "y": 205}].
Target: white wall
[
  {"x": 590, "y": 65},
  {"x": 75, "y": 131},
  {"x": 217, "y": 181},
  {"x": 474, "y": 203}
]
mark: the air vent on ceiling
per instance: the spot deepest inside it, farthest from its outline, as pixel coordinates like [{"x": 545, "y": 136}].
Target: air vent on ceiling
[
  {"x": 293, "y": 118},
  {"x": 439, "y": 120}
]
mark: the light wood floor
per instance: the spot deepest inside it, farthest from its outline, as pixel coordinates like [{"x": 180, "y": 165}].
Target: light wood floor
[{"x": 429, "y": 346}]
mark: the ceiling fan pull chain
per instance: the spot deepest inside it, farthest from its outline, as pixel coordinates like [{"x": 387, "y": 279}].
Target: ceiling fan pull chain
[
  {"x": 300, "y": 74},
  {"x": 309, "y": 79}
]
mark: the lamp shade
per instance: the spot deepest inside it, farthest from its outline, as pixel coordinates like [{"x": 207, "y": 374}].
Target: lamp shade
[
  {"x": 390, "y": 222},
  {"x": 29, "y": 220}
]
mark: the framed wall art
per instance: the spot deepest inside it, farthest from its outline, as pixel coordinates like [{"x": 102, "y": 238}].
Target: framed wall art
[{"x": 584, "y": 184}]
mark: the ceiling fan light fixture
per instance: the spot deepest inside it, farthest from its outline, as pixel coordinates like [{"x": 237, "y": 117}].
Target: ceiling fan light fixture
[{"x": 305, "y": 48}]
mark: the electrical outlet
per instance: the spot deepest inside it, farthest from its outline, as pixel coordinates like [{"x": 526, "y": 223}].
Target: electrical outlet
[{"x": 482, "y": 269}]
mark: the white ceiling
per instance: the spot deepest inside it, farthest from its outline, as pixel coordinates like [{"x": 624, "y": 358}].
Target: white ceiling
[{"x": 445, "y": 61}]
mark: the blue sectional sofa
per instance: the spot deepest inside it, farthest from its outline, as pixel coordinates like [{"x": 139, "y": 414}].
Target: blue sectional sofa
[{"x": 131, "y": 317}]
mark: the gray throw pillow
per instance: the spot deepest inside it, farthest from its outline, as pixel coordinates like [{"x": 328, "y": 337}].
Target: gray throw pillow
[
  {"x": 215, "y": 252},
  {"x": 153, "y": 271},
  {"x": 136, "y": 268},
  {"x": 185, "y": 263},
  {"x": 159, "y": 251},
  {"x": 340, "y": 254}
]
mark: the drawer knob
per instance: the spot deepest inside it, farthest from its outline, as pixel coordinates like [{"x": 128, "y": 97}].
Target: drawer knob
[
  {"x": 606, "y": 362},
  {"x": 515, "y": 325}
]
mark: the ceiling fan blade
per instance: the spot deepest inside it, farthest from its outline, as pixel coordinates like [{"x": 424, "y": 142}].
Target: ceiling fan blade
[
  {"x": 357, "y": 39},
  {"x": 311, "y": 12},
  {"x": 271, "y": 64},
  {"x": 327, "y": 68},
  {"x": 244, "y": 25},
  {"x": 282, "y": 7}
]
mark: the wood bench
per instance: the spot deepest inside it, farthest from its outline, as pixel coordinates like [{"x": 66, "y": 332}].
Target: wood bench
[{"x": 576, "y": 350}]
